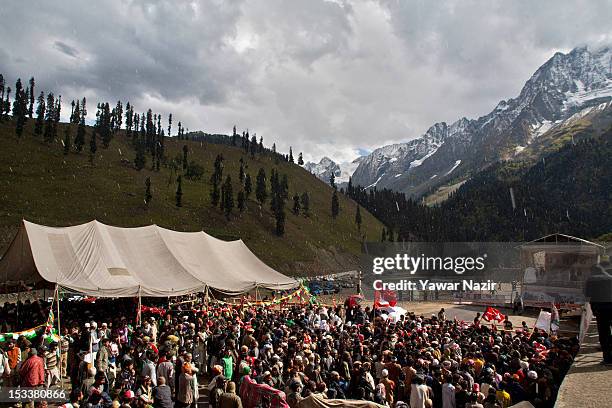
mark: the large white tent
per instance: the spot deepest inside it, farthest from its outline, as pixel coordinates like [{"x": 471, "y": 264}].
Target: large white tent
[{"x": 105, "y": 261}]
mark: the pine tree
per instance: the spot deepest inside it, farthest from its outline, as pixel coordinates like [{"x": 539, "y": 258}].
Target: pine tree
[
  {"x": 290, "y": 155},
  {"x": 118, "y": 116},
  {"x": 57, "y": 112},
  {"x": 179, "y": 192},
  {"x": 335, "y": 205},
  {"x": 170, "y": 125},
  {"x": 185, "y": 151},
  {"x": 79, "y": 140},
  {"x": 40, "y": 114},
  {"x": 253, "y": 145},
  {"x": 241, "y": 201},
  {"x": 358, "y": 218},
  {"x": 214, "y": 194},
  {"x": 2, "y": 89},
  {"x": 150, "y": 132},
  {"x": 296, "y": 204},
  {"x": 305, "y": 199},
  {"x": 248, "y": 186},
  {"x": 234, "y": 137},
  {"x": 332, "y": 181},
  {"x": 49, "y": 118},
  {"x": 66, "y": 140},
  {"x": 31, "y": 108},
  {"x": 261, "y": 146},
  {"x": 148, "y": 195},
  {"x": 300, "y": 159},
  {"x": 241, "y": 171},
  {"x": 383, "y": 236},
  {"x": 228, "y": 197},
  {"x": 105, "y": 126},
  {"x": 72, "y": 107},
  {"x": 16, "y": 102},
  {"x": 20, "y": 107},
  {"x": 7, "y": 103},
  {"x": 284, "y": 187},
  {"x": 129, "y": 119},
  {"x": 217, "y": 174},
  {"x": 260, "y": 186},
  {"x": 246, "y": 142},
  {"x": 93, "y": 146}
]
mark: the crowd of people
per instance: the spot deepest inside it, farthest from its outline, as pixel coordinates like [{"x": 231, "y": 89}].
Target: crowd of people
[{"x": 173, "y": 355}]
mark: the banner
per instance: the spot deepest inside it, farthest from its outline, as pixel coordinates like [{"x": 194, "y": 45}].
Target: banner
[
  {"x": 301, "y": 294},
  {"x": 493, "y": 314},
  {"x": 252, "y": 394},
  {"x": 384, "y": 298},
  {"x": 47, "y": 330},
  {"x": 543, "y": 322},
  {"x": 154, "y": 310}
]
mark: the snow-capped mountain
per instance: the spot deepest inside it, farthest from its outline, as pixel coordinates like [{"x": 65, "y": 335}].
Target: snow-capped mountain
[
  {"x": 567, "y": 86},
  {"x": 323, "y": 169},
  {"x": 326, "y": 166}
]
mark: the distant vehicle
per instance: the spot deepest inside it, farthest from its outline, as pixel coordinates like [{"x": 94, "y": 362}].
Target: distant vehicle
[
  {"x": 315, "y": 288},
  {"x": 329, "y": 288}
]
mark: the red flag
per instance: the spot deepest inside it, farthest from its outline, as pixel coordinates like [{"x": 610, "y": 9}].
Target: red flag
[
  {"x": 384, "y": 298},
  {"x": 493, "y": 314},
  {"x": 539, "y": 347}
]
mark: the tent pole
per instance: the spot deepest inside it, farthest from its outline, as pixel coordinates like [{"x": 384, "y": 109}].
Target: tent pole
[
  {"x": 138, "y": 316},
  {"x": 59, "y": 332}
]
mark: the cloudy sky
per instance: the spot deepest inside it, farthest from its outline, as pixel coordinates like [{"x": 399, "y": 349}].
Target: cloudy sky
[{"x": 326, "y": 77}]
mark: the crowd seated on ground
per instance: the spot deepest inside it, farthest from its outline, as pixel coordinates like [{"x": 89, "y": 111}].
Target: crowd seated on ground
[{"x": 337, "y": 352}]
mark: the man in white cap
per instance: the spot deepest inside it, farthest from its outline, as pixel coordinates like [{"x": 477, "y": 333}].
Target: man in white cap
[
  {"x": 104, "y": 332},
  {"x": 94, "y": 340},
  {"x": 153, "y": 329}
]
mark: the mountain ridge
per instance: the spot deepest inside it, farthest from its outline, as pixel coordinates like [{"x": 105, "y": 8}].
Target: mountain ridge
[{"x": 564, "y": 85}]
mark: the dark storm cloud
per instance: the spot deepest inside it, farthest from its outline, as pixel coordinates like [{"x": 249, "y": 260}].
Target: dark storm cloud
[
  {"x": 66, "y": 49},
  {"x": 327, "y": 77}
]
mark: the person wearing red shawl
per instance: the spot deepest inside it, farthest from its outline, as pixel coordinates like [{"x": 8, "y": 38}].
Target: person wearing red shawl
[{"x": 32, "y": 372}]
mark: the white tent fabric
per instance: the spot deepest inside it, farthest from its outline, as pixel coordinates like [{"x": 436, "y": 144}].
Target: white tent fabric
[{"x": 105, "y": 261}]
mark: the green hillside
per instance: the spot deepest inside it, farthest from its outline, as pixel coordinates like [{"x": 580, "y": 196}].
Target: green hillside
[{"x": 41, "y": 184}]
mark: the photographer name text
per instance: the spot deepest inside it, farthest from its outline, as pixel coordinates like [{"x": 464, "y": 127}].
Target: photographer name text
[{"x": 426, "y": 284}]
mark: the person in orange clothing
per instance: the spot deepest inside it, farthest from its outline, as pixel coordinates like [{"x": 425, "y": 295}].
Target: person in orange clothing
[
  {"x": 14, "y": 359},
  {"x": 389, "y": 386}
]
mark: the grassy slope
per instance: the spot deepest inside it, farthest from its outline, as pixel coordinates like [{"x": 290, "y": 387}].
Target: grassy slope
[{"x": 40, "y": 184}]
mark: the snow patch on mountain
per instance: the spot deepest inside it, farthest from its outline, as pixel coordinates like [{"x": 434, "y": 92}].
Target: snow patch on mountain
[
  {"x": 583, "y": 95},
  {"x": 539, "y": 129},
  {"x": 376, "y": 182},
  {"x": 457, "y": 163},
  {"x": 418, "y": 162}
]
